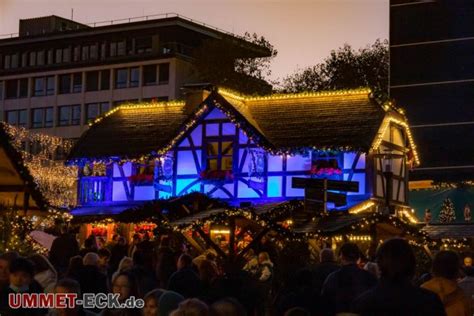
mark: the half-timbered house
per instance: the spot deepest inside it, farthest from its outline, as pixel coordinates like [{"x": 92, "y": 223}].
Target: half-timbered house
[{"x": 245, "y": 150}]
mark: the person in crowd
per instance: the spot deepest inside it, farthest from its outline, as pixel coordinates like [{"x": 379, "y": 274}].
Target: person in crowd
[
  {"x": 45, "y": 274},
  {"x": 185, "y": 281},
  {"x": 91, "y": 279},
  {"x": 101, "y": 243},
  {"x": 446, "y": 270},
  {"x": 227, "y": 307},
  {"x": 208, "y": 274},
  {"x": 104, "y": 258},
  {"x": 75, "y": 268},
  {"x": 395, "y": 294},
  {"x": 89, "y": 246},
  {"x": 373, "y": 268},
  {"x": 251, "y": 265},
  {"x": 165, "y": 262},
  {"x": 125, "y": 264},
  {"x": 344, "y": 285},
  {"x": 117, "y": 252},
  {"x": 209, "y": 254},
  {"x": 5, "y": 261},
  {"x": 265, "y": 268},
  {"x": 133, "y": 245},
  {"x": 191, "y": 307},
  {"x": 321, "y": 271},
  {"x": 62, "y": 249},
  {"x": 143, "y": 275},
  {"x": 168, "y": 302},
  {"x": 20, "y": 281},
  {"x": 297, "y": 293},
  {"x": 126, "y": 286},
  {"x": 467, "y": 284},
  {"x": 67, "y": 285},
  {"x": 146, "y": 247},
  {"x": 297, "y": 311},
  {"x": 152, "y": 300},
  {"x": 266, "y": 245}
]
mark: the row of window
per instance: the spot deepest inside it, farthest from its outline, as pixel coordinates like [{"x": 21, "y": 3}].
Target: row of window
[
  {"x": 76, "y": 53},
  {"x": 44, "y": 117},
  {"x": 68, "y": 115},
  {"x": 94, "y": 81}
]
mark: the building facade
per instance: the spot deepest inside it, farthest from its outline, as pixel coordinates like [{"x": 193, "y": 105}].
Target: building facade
[
  {"x": 59, "y": 75},
  {"x": 432, "y": 76},
  {"x": 244, "y": 149}
]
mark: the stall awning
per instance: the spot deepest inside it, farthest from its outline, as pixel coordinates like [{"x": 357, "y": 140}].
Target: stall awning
[
  {"x": 192, "y": 218},
  {"x": 99, "y": 210},
  {"x": 330, "y": 224},
  {"x": 457, "y": 231}
]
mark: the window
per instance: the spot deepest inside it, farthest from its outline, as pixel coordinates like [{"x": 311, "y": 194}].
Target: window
[
  {"x": 156, "y": 99},
  {"x": 77, "y": 82},
  {"x": 95, "y": 109},
  {"x": 219, "y": 154},
  {"x": 17, "y": 117},
  {"x": 93, "y": 51},
  {"x": 23, "y": 88},
  {"x": 149, "y": 75},
  {"x": 121, "y": 78},
  {"x": 164, "y": 74},
  {"x": 66, "y": 55},
  {"x": 121, "y": 48},
  {"x": 143, "y": 45},
  {"x": 7, "y": 62},
  {"x": 59, "y": 56},
  {"x": 50, "y": 56},
  {"x": 134, "y": 76},
  {"x": 64, "y": 84},
  {"x": 105, "y": 79},
  {"x": 42, "y": 117},
  {"x": 103, "y": 51},
  {"x": 24, "y": 59},
  {"x": 113, "y": 49},
  {"x": 33, "y": 59},
  {"x": 40, "y": 58},
  {"x": 1, "y": 90},
  {"x": 39, "y": 85},
  {"x": 50, "y": 85},
  {"x": 118, "y": 103},
  {"x": 92, "y": 81},
  {"x": 77, "y": 53},
  {"x": 14, "y": 63},
  {"x": 11, "y": 89},
  {"x": 85, "y": 53},
  {"x": 43, "y": 86},
  {"x": 69, "y": 115}
]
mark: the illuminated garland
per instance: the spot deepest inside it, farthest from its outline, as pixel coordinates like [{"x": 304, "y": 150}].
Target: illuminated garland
[{"x": 53, "y": 179}]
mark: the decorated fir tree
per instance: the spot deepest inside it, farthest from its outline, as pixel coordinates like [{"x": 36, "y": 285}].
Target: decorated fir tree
[{"x": 447, "y": 214}]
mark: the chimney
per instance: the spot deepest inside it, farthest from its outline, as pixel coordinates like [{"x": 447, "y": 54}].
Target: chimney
[{"x": 195, "y": 94}]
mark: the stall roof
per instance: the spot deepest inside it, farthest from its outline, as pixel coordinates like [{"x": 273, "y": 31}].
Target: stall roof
[{"x": 439, "y": 231}]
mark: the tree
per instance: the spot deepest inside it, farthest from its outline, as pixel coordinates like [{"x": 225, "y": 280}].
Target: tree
[
  {"x": 224, "y": 63},
  {"x": 346, "y": 68},
  {"x": 447, "y": 214}
]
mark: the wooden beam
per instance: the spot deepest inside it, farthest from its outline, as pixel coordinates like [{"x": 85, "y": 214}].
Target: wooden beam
[
  {"x": 335, "y": 185},
  {"x": 232, "y": 237},
  {"x": 209, "y": 242},
  {"x": 254, "y": 241},
  {"x": 193, "y": 243}
]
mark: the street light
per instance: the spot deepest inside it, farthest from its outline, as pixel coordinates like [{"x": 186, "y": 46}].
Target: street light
[{"x": 388, "y": 174}]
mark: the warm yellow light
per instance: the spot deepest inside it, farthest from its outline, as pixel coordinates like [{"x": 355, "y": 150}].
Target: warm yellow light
[
  {"x": 220, "y": 231},
  {"x": 359, "y": 208},
  {"x": 411, "y": 217}
]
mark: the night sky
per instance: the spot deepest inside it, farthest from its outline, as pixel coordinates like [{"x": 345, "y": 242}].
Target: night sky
[{"x": 303, "y": 31}]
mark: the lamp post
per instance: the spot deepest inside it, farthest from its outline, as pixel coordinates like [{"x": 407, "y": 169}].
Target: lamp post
[{"x": 388, "y": 174}]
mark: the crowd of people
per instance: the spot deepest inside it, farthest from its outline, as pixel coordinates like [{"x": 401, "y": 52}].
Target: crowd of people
[{"x": 174, "y": 282}]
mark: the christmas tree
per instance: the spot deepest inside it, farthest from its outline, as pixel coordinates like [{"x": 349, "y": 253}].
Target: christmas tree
[{"x": 447, "y": 214}]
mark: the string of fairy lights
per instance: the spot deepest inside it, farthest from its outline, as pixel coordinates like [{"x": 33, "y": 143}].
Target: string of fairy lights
[{"x": 53, "y": 179}]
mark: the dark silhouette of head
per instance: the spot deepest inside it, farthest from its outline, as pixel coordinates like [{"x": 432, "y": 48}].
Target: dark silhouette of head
[
  {"x": 396, "y": 260},
  {"x": 349, "y": 253},
  {"x": 446, "y": 264}
]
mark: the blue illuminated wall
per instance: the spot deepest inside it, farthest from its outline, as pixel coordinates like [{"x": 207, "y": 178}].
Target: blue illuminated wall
[{"x": 252, "y": 174}]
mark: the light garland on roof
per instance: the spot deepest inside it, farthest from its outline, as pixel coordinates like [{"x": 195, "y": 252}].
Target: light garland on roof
[
  {"x": 53, "y": 179},
  {"x": 362, "y": 207},
  {"x": 237, "y": 96},
  {"x": 137, "y": 106},
  {"x": 383, "y": 129}
]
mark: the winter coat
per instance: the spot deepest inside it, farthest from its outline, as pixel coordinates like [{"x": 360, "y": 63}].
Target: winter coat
[
  {"x": 400, "y": 298},
  {"x": 343, "y": 286},
  {"x": 455, "y": 302},
  {"x": 185, "y": 282},
  {"x": 63, "y": 248},
  {"x": 47, "y": 279},
  {"x": 265, "y": 271},
  {"x": 467, "y": 284},
  {"x": 92, "y": 280}
]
